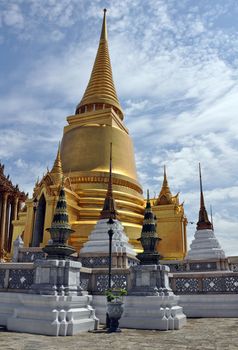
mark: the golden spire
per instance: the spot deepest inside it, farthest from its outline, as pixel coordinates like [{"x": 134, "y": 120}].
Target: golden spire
[
  {"x": 104, "y": 27},
  {"x": 165, "y": 196},
  {"x": 57, "y": 171},
  {"x": 203, "y": 221},
  {"x": 101, "y": 90},
  {"x": 109, "y": 207},
  {"x": 165, "y": 182}
]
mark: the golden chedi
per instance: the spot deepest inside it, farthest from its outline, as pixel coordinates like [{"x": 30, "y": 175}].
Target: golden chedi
[
  {"x": 98, "y": 121},
  {"x": 83, "y": 161},
  {"x": 84, "y": 154},
  {"x": 171, "y": 223}
]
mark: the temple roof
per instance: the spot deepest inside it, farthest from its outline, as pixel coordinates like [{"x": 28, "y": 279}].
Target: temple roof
[
  {"x": 101, "y": 88},
  {"x": 203, "y": 221},
  {"x": 165, "y": 196},
  {"x": 6, "y": 186}
]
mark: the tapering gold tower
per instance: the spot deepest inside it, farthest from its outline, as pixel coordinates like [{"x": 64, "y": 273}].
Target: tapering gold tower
[
  {"x": 98, "y": 121},
  {"x": 83, "y": 160},
  {"x": 101, "y": 88},
  {"x": 171, "y": 223}
]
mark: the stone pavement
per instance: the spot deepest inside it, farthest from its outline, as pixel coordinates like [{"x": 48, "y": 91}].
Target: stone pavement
[{"x": 198, "y": 334}]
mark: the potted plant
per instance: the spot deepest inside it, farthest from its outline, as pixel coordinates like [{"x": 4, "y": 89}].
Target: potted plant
[{"x": 115, "y": 307}]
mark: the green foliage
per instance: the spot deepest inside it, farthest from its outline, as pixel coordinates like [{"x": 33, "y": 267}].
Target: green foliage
[{"x": 115, "y": 294}]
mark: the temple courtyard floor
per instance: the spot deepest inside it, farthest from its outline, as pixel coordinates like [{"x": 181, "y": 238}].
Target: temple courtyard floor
[{"x": 202, "y": 334}]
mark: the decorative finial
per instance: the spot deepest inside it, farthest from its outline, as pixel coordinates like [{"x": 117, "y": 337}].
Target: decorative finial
[
  {"x": 165, "y": 182},
  {"x": 148, "y": 195},
  {"x": 57, "y": 171},
  {"x": 104, "y": 10},
  {"x": 201, "y": 190},
  {"x": 109, "y": 207},
  {"x": 165, "y": 196},
  {"x": 203, "y": 221},
  {"x": 148, "y": 205}
]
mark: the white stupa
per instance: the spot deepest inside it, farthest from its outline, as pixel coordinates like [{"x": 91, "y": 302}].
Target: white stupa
[
  {"x": 205, "y": 244},
  {"x": 98, "y": 239}
]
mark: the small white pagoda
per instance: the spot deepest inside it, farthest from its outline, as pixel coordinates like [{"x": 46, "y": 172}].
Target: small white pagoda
[{"x": 205, "y": 245}]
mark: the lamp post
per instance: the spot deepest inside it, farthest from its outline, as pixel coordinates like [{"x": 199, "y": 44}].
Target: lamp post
[
  {"x": 110, "y": 223},
  {"x": 35, "y": 205},
  {"x": 110, "y": 234}
]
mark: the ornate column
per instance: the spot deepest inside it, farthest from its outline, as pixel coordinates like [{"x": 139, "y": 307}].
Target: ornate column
[
  {"x": 3, "y": 222},
  {"x": 14, "y": 212},
  {"x": 15, "y": 208},
  {"x": 1, "y": 203},
  {"x": 7, "y": 223}
]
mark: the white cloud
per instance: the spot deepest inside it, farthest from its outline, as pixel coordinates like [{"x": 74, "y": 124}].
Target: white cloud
[
  {"x": 13, "y": 16},
  {"x": 20, "y": 163},
  {"x": 10, "y": 142},
  {"x": 57, "y": 35}
]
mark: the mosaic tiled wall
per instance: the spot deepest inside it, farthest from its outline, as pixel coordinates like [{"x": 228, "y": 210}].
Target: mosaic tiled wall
[{"x": 205, "y": 285}]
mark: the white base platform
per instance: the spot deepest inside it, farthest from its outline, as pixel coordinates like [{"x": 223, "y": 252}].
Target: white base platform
[
  {"x": 47, "y": 314},
  {"x": 213, "y": 305},
  {"x": 146, "y": 312}
]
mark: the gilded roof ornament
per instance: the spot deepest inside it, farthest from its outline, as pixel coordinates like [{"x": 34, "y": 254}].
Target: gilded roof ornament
[
  {"x": 165, "y": 196},
  {"x": 56, "y": 170},
  {"x": 101, "y": 89}
]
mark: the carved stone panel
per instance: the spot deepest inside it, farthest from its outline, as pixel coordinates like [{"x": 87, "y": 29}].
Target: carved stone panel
[
  {"x": 118, "y": 281},
  {"x": 187, "y": 285},
  {"x": 2, "y": 276},
  {"x": 20, "y": 279}
]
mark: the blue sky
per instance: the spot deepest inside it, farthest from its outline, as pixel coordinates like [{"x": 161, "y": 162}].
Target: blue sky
[{"x": 175, "y": 66}]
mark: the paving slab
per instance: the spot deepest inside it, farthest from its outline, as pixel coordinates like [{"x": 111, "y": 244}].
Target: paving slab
[{"x": 198, "y": 334}]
